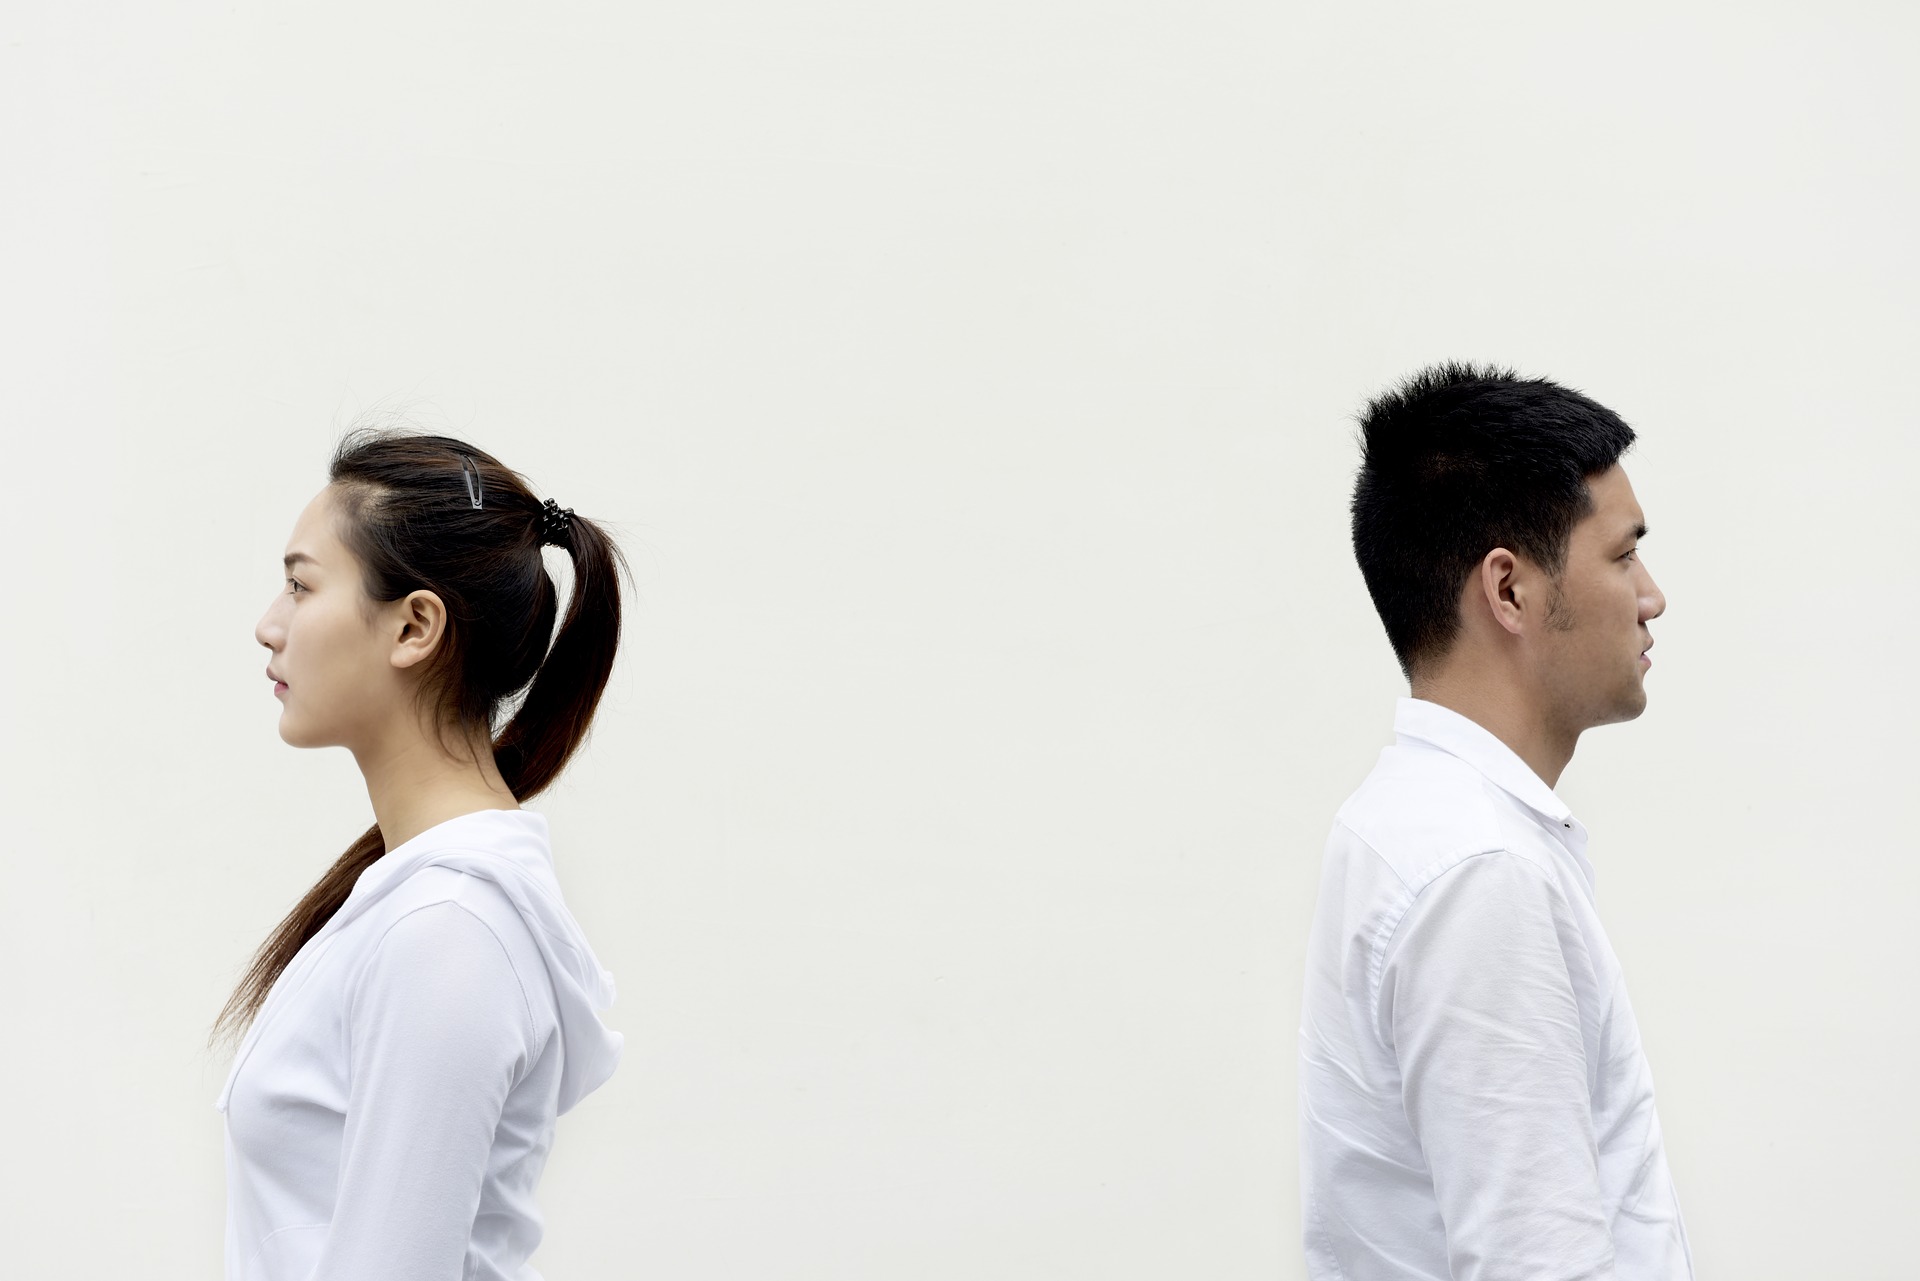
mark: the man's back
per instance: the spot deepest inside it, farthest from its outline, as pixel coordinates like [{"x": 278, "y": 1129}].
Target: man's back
[{"x": 1475, "y": 1102}]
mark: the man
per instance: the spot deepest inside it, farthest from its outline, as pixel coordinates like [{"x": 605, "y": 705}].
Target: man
[{"x": 1475, "y": 1102}]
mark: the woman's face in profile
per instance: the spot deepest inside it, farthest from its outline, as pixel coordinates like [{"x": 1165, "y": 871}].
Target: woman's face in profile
[{"x": 330, "y": 660}]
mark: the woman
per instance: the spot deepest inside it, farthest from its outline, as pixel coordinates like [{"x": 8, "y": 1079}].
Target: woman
[{"x": 427, "y": 1010}]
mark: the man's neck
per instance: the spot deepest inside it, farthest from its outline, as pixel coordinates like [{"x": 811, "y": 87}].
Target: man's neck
[
  {"x": 415, "y": 783},
  {"x": 1504, "y": 714}
]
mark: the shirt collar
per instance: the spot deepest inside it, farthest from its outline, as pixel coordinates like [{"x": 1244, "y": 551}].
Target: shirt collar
[{"x": 1469, "y": 741}]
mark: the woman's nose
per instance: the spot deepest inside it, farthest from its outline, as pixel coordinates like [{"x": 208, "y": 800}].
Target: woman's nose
[{"x": 267, "y": 631}]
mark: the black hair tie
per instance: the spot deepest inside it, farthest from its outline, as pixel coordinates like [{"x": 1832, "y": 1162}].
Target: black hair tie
[{"x": 555, "y": 521}]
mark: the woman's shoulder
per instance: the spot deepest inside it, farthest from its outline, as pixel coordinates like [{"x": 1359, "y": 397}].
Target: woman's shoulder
[{"x": 446, "y": 904}]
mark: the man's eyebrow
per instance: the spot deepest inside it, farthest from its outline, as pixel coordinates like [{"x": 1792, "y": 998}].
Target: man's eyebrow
[
  {"x": 293, "y": 558},
  {"x": 1639, "y": 531}
]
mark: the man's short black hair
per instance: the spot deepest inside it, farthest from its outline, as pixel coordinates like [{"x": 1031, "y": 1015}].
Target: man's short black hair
[{"x": 1457, "y": 460}]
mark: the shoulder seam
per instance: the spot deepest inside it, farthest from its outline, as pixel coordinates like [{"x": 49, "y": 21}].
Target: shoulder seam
[
  {"x": 1367, "y": 845},
  {"x": 526, "y": 1005},
  {"x": 1378, "y": 946}
]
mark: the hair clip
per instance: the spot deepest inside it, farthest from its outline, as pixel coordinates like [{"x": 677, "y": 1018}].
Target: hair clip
[{"x": 470, "y": 474}]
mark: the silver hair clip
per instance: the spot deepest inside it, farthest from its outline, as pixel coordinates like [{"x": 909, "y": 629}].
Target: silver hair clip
[{"x": 470, "y": 474}]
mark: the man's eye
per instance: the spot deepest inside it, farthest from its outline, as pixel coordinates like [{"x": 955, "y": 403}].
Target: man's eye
[{"x": 1631, "y": 552}]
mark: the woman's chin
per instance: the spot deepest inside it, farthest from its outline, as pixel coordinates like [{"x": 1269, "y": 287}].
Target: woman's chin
[{"x": 293, "y": 734}]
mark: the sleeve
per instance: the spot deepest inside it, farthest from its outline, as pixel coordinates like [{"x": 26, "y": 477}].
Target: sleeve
[
  {"x": 439, "y": 1031},
  {"x": 1481, "y": 978}
]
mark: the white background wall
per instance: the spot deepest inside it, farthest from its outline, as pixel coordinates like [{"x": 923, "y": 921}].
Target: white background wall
[{"x": 972, "y": 385}]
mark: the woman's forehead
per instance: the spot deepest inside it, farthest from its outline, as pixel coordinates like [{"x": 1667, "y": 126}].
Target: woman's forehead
[{"x": 315, "y": 539}]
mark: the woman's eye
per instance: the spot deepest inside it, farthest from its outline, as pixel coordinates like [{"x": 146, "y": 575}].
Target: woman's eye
[{"x": 295, "y": 586}]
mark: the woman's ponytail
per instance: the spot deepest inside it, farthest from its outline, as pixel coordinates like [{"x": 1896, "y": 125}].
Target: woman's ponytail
[{"x": 553, "y": 719}]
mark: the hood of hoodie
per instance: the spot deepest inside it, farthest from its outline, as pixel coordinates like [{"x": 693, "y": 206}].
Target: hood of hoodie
[{"x": 509, "y": 848}]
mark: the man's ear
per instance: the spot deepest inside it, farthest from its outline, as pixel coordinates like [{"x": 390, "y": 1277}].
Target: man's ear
[
  {"x": 421, "y": 618},
  {"x": 1503, "y": 590}
]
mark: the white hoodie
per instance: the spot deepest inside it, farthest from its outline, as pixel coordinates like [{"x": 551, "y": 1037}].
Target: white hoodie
[{"x": 392, "y": 1105}]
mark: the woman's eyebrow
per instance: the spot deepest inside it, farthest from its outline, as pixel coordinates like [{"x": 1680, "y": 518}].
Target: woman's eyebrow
[{"x": 293, "y": 558}]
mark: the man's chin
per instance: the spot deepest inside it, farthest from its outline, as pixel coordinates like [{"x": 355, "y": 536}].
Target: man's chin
[{"x": 1625, "y": 708}]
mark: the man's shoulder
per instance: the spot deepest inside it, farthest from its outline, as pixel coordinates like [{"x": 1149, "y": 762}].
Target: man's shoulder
[{"x": 1422, "y": 812}]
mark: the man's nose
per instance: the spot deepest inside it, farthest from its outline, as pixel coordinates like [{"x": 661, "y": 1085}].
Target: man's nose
[{"x": 1653, "y": 601}]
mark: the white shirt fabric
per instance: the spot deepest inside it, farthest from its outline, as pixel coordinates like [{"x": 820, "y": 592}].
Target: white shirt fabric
[
  {"x": 1475, "y": 1104},
  {"x": 392, "y": 1106}
]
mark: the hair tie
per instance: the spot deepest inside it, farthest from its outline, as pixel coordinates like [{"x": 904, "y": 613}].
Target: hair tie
[{"x": 555, "y": 521}]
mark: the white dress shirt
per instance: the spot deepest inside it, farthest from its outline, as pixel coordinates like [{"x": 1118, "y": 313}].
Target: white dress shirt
[
  {"x": 1475, "y": 1104},
  {"x": 393, "y": 1104}
]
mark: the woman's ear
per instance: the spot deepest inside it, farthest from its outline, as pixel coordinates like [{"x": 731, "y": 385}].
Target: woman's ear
[{"x": 421, "y": 618}]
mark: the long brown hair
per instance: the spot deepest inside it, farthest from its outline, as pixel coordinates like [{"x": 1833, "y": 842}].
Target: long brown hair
[{"x": 407, "y": 513}]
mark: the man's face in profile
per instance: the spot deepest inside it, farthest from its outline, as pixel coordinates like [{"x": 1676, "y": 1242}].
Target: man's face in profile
[{"x": 1594, "y": 651}]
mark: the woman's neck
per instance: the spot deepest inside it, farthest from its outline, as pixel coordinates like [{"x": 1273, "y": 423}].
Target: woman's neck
[{"x": 415, "y": 782}]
